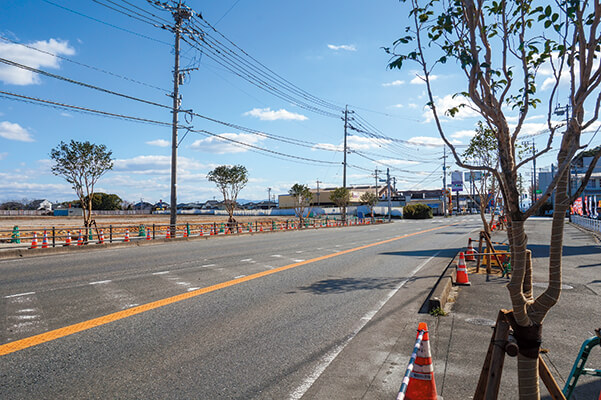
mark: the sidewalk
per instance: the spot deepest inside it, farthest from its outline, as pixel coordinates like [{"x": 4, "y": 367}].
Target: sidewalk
[{"x": 460, "y": 340}]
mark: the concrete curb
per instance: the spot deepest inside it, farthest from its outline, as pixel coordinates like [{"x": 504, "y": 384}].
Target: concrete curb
[{"x": 440, "y": 292}]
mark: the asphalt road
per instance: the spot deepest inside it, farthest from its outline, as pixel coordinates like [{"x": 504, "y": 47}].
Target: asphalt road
[{"x": 259, "y": 316}]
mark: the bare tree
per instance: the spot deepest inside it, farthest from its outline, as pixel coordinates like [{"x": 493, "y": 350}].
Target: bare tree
[
  {"x": 500, "y": 48},
  {"x": 369, "y": 199},
  {"x": 82, "y": 164}
]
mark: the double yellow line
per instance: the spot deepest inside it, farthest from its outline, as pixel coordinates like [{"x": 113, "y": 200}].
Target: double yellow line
[{"x": 49, "y": 336}]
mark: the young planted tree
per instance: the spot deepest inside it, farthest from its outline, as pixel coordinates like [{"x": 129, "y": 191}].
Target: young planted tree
[
  {"x": 370, "y": 200},
  {"x": 302, "y": 200},
  {"x": 82, "y": 164},
  {"x": 341, "y": 197},
  {"x": 230, "y": 180},
  {"x": 500, "y": 49}
]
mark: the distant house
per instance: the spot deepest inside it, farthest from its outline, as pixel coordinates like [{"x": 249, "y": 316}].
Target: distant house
[
  {"x": 161, "y": 206},
  {"x": 189, "y": 206},
  {"x": 213, "y": 205},
  {"x": 143, "y": 205},
  {"x": 260, "y": 205},
  {"x": 40, "y": 205}
]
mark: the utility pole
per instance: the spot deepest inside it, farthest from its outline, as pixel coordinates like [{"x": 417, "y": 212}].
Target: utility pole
[
  {"x": 318, "y": 182},
  {"x": 376, "y": 175},
  {"x": 444, "y": 181},
  {"x": 180, "y": 13},
  {"x": 389, "y": 196},
  {"x": 268, "y": 197},
  {"x": 345, "y": 134},
  {"x": 534, "y": 175}
]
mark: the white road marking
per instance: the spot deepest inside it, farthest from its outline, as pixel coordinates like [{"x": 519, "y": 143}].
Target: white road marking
[
  {"x": 160, "y": 273},
  {"x": 298, "y": 251},
  {"x": 192, "y": 288},
  {"x": 207, "y": 265},
  {"x": 18, "y": 295},
  {"x": 277, "y": 255},
  {"x": 239, "y": 276},
  {"x": 246, "y": 260},
  {"x": 296, "y": 261},
  {"x": 100, "y": 282},
  {"x": 331, "y": 356}
]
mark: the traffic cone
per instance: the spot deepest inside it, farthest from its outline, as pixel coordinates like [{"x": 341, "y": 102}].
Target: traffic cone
[
  {"x": 185, "y": 233},
  {"x": 148, "y": 234},
  {"x": 261, "y": 228},
  {"x": 45, "y": 241},
  {"x": 201, "y": 234},
  {"x": 168, "y": 235},
  {"x": 34, "y": 241},
  {"x": 126, "y": 236},
  {"x": 421, "y": 380},
  {"x": 101, "y": 237},
  {"x": 469, "y": 255},
  {"x": 462, "y": 278},
  {"x": 79, "y": 239},
  {"x": 68, "y": 239}
]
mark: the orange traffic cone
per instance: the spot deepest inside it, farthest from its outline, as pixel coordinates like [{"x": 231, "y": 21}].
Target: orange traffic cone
[
  {"x": 126, "y": 236},
  {"x": 147, "y": 234},
  {"x": 469, "y": 255},
  {"x": 34, "y": 241},
  {"x": 185, "y": 233},
  {"x": 101, "y": 237},
  {"x": 45, "y": 241},
  {"x": 261, "y": 228},
  {"x": 201, "y": 234},
  {"x": 79, "y": 239},
  {"x": 168, "y": 235},
  {"x": 421, "y": 381},
  {"x": 462, "y": 278},
  {"x": 68, "y": 239}
]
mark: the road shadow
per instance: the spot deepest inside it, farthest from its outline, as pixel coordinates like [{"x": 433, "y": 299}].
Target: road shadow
[
  {"x": 343, "y": 285},
  {"x": 539, "y": 250},
  {"x": 442, "y": 253},
  {"x": 589, "y": 265}
]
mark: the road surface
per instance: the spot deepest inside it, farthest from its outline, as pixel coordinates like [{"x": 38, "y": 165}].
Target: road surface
[{"x": 263, "y": 316}]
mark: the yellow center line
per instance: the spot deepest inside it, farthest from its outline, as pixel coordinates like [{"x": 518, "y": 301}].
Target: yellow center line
[{"x": 31, "y": 341}]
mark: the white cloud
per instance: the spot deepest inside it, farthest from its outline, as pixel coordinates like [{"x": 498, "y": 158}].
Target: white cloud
[
  {"x": 418, "y": 79},
  {"x": 394, "y": 83},
  {"x": 12, "y": 131},
  {"x": 159, "y": 143},
  {"x": 429, "y": 141},
  {"x": 443, "y": 104},
  {"x": 413, "y": 105},
  {"x": 347, "y": 47},
  {"x": 220, "y": 145},
  {"x": 354, "y": 142},
  {"x": 467, "y": 133},
  {"x": 395, "y": 161},
  {"x": 266, "y": 114},
  {"x": 66, "y": 115},
  {"x": 397, "y": 106},
  {"x": 153, "y": 164},
  {"x": 31, "y": 58}
]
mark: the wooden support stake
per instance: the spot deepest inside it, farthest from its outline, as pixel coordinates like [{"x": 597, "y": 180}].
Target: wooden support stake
[
  {"x": 549, "y": 381},
  {"x": 498, "y": 357},
  {"x": 490, "y": 246},
  {"x": 479, "y": 258}
]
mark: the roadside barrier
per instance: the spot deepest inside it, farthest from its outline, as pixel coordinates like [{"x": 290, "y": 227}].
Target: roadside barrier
[
  {"x": 45, "y": 241},
  {"x": 469, "y": 255},
  {"x": 462, "y": 278},
  {"x": 34, "y": 241},
  {"x": 418, "y": 382}
]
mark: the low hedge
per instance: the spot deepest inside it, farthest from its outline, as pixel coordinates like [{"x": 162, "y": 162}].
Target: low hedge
[{"x": 417, "y": 211}]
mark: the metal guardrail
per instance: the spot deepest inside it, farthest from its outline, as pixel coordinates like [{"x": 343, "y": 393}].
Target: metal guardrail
[
  {"x": 74, "y": 236},
  {"x": 588, "y": 223}
]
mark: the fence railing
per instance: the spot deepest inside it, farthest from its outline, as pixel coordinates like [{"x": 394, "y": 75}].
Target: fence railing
[
  {"x": 40, "y": 238},
  {"x": 588, "y": 223}
]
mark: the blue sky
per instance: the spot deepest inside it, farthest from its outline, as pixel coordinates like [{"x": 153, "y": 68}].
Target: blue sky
[{"x": 331, "y": 50}]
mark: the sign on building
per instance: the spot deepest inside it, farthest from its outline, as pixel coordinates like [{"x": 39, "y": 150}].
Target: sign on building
[{"x": 472, "y": 176}]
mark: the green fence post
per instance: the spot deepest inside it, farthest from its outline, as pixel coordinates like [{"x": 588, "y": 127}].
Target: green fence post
[
  {"x": 188, "y": 228},
  {"x": 16, "y": 235}
]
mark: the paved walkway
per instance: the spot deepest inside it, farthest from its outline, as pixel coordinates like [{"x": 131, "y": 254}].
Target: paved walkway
[{"x": 460, "y": 340}]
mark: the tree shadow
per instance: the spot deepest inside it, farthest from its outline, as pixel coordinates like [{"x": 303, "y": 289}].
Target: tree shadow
[
  {"x": 589, "y": 265},
  {"x": 539, "y": 250},
  {"x": 343, "y": 285},
  {"x": 442, "y": 253}
]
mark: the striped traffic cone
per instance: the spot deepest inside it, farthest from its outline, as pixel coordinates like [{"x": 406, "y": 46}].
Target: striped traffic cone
[
  {"x": 469, "y": 254},
  {"x": 261, "y": 228},
  {"x": 45, "y": 241},
  {"x": 79, "y": 239},
  {"x": 421, "y": 380},
  {"x": 34, "y": 241},
  {"x": 201, "y": 233},
  {"x": 148, "y": 234},
  {"x": 462, "y": 278},
  {"x": 68, "y": 239},
  {"x": 101, "y": 237},
  {"x": 185, "y": 233},
  {"x": 168, "y": 235},
  {"x": 126, "y": 239}
]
